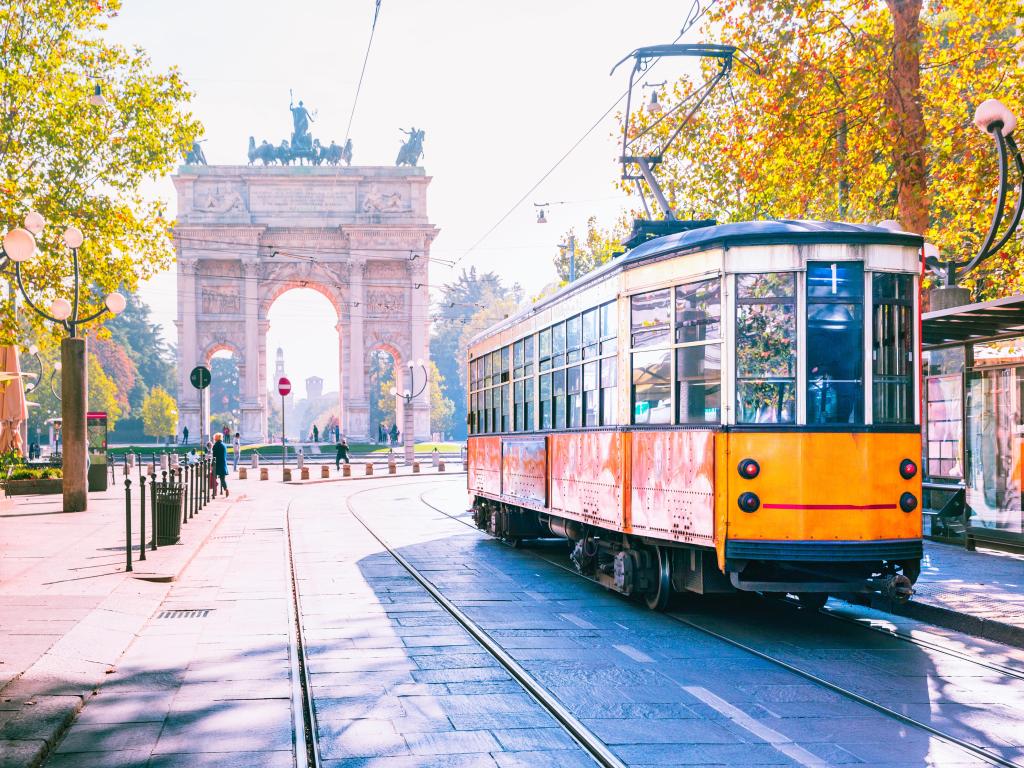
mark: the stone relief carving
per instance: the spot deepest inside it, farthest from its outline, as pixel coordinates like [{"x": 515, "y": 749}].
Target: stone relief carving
[
  {"x": 220, "y": 202},
  {"x": 387, "y": 270},
  {"x": 383, "y": 302},
  {"x": 221, "y": 300},
  {"x": 383, "y": 202},
  {"x": 219, "y": 268}
]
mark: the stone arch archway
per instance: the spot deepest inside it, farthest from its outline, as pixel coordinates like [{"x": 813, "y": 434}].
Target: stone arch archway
[{"x": 247, "y": 235}]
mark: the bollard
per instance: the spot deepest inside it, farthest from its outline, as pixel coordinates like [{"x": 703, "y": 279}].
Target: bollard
[
  {"x": 255, "y": 460},
  {"x": 154, "y": 524},
  {"x": 264, "y": 473},
  {"x": 128, "y": 523},
  {"x": 304, "y": 473},
  {"x": 346, "y": 470},
  {"x": 369, "y": 469},
  {"x": 325, "y": 471},
  {"x": 142, "y": 509},
  {"x": 127, "y": 469},
  {"x": 185, "y": 493},
  {"x": 415, "y": 467},
  {"x": 242, "y": 474},
  {"x": 440, "y": 466},
  {"x": 142, "y": 521},
  {"x": 287, "y": 475},
  {"x": 392, "y": 468}
]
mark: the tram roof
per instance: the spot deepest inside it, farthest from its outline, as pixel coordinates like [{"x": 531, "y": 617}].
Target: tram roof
[{"x": 767, "y": 232}]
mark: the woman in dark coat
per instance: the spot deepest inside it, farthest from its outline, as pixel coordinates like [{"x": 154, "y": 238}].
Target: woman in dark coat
[{"x": 220, "y": 461}]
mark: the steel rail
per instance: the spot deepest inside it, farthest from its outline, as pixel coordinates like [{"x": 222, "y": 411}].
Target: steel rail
[
  {"x": 980, "y": 752},
  {"x": 303, "y": 712},
  {"x": 582, "y": 735}
]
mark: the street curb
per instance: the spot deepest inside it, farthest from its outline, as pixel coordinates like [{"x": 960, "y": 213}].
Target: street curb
[
  {"x": 164, "y": 578},
  {"x": 318, "y": 480},
  {"x": 989, "y": 629}
]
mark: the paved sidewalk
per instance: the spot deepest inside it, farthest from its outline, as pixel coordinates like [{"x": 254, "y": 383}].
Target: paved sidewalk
[
  {"x": 979, "y": 593},
  {"x": 68, "y": 609}
]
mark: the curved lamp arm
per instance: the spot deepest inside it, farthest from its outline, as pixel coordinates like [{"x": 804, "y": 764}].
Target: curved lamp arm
[{"x": 32, "y": 304}]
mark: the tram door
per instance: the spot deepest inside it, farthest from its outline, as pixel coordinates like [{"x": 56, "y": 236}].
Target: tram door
[{"x": 995, "y": 431}]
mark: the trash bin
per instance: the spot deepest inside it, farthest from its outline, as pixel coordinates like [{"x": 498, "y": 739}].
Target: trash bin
[{"x": 168, "y": 513}]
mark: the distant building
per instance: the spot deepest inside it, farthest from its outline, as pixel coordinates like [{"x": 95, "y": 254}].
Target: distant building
[{"x": 314, "y": 388}]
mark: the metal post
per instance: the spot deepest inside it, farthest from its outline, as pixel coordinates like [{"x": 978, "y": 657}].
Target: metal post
[
  {"x": 142, "y": 518},
  {"x": 152, "y": 504},
  {"x": 128, "y": 523},
  {"x": 284, "y": 447},
  {"x": 186, "y": 498},
  {"x": 181, "y": 486},
  {"x": 572, "y": 258},
  {"x": 142, "y": 508},
  {"x": 192, "y": 491},
  {"x": 73, "y": 378}
]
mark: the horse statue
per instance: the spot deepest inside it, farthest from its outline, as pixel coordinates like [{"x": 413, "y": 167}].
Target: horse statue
[
  {"x": 264, "y": 152},
  {"x": 283, "y": 153},
  {"x": 346, "y": 152},
  {"x": 412, "y": 149},
  {"x": 195, "y": 156}
]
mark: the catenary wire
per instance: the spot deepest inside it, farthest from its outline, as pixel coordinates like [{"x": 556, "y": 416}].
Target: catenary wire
[{"x": 362, "y": 72}]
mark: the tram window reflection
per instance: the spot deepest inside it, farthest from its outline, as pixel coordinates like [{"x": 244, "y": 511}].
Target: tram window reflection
[
  {"x": 558, "y": 398},
  {"x": 652, "y": 387},
  {"x": 651, "y": 318},
  {"x": 545, "y": 401},
  {"x": 699, "y": 384},
  {"x": 699, "y": 311},
  {"x": 766, "y": 348},
  {"x": 609, "y": 390},
  {"x": 892, "y": 348},
  {"x": 835, "y": 342}
]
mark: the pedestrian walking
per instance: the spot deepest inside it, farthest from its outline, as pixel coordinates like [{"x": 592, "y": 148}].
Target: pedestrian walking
[
  {"x": 316, "y": 434},
  {"x": 236, "y": 443},
  {"x": 337, "y": 433},
  {"x": 394, "y": 434},
  {"x": 342, "y": 454},
  {"x": 184, "y": 436},
  {"x": 220, "y": 461}
]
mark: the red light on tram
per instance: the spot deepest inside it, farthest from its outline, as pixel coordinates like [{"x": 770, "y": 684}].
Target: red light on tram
[
  {"x": 749, "y": 469},
  {"x": 749, "y": 502},
  {"x": 908, "y": 502},
  {"x": 908, "y": 469}
]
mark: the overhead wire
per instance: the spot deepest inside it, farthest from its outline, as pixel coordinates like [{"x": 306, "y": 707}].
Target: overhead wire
[
  {"x": 695, "y": 14},
  {"x": 362, "y": 72}
]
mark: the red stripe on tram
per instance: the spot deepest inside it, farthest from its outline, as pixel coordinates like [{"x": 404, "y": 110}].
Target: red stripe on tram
[{"x": 829, "y": 506}]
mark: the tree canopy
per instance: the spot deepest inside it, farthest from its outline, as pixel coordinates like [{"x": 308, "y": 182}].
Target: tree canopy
[
  {"x": 857, "y": 110},
  {"x": 159, "y": 413},
  {"x": 81, "y": 164}
]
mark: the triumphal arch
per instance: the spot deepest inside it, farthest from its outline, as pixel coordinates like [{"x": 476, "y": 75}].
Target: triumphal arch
[{"x": 358, "y": 235}]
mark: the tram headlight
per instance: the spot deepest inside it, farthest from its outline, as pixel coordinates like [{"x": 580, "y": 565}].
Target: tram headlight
[
  {"x": 908, "y": 469},
  {"x": 749, "y": 469},
  {"x": 908, "y": 502},
  {"x": 749, "y": 502}
]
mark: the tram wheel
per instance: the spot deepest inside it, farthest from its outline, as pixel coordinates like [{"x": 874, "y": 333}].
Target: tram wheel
[
  {"x": 812, "y": 601},
  {"x": 657, "y": 599}
]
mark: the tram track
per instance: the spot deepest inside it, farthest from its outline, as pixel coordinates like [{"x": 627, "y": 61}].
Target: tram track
[{"x": 966, "y": 746}]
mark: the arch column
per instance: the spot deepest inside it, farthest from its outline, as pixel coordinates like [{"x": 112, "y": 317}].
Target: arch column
[
  {"x": 188, "y": 396},
  {"x": 357, "y": 424},
  {"x": 254, "y": 418},
  {"x": 342, "y": 409}
]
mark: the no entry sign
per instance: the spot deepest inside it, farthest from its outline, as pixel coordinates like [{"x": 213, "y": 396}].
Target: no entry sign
[{"x": 284, "y": 386}]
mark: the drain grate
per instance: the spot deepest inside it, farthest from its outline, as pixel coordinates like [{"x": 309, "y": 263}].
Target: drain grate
[{"x": 191, "y": 613}]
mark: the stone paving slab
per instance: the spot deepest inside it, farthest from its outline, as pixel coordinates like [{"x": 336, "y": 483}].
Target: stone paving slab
[{"x": 68, "y": 609}]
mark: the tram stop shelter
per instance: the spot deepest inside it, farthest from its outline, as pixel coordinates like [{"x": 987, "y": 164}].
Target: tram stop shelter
[{"x": 973, "y": 371}]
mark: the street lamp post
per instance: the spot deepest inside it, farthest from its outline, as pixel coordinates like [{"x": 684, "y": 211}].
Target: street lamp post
[
  {"x": 408, "y": 423},
  {"x": 20, "y": 246}
]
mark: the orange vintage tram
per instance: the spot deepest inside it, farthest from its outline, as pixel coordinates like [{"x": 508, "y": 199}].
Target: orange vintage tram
[{"x": 733, "y": 407}]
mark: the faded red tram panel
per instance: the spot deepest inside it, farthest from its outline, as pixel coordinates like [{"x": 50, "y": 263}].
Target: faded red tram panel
[
  {"x": 524, "y": 471},
  {"x": 586, "y": 477},
  {"x": 673, "y": 485},
  {"x": 484, "y": 473}
]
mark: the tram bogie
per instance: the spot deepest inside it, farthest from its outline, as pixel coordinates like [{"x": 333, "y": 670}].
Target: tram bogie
[{"x": 734, "y": 409}]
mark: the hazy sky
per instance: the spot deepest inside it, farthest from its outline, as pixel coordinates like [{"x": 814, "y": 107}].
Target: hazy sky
[{"x": 502, "y": 90}]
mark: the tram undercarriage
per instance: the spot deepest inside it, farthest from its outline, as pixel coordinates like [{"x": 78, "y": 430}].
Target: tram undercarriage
[{"x": 653, "y": 569}]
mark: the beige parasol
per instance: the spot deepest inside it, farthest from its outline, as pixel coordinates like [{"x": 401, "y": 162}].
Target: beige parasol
[{"x": 13, "y": 410}]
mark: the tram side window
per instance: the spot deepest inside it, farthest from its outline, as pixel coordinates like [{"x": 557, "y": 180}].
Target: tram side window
[
  {"x": 528, "y": 406},
  {"x": 574, "y": 388},
  {"x": 517, "y": 360},
  {"x": 546, "y": 421},
  {"x": 652, "y": 387},
  {"x": 572, "y": 338},
  {"x": 609, "y": 389},
  {"x": 651, "y": 318},
  {"x": 558, "y": 398},
  {"x": 544, "y": 341},
  {"x": 766, "y": 348},
  {"x": 528, "y": 356},
  {"x": 835, "y": 343},
  {"x": 591, "y": 396},
  {"x": 892, "y": 348},
  {"x": 558, "y": 345},
  {"x": 609, "y": 328},
  {"x": 504, "y": 409},
  {"x": 487, "y": 410},
  {"x": 699, "y": 365},
  {"x": 590, "y": 334}
]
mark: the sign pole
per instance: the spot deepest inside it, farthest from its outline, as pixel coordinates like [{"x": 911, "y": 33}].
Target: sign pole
[{"x": 284, "y": 448}]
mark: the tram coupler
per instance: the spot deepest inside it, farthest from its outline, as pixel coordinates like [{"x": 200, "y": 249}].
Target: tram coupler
[{"x": 895, "y": 587}]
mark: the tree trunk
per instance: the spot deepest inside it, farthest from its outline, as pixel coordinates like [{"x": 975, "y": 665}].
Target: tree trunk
[{"x": 907, "y": 118}]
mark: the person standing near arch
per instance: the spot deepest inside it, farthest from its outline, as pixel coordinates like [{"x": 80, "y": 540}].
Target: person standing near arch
[{"x": 220, "y": 462}]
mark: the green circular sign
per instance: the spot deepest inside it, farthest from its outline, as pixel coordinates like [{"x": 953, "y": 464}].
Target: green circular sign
[{"x": 200, "y": 377}]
